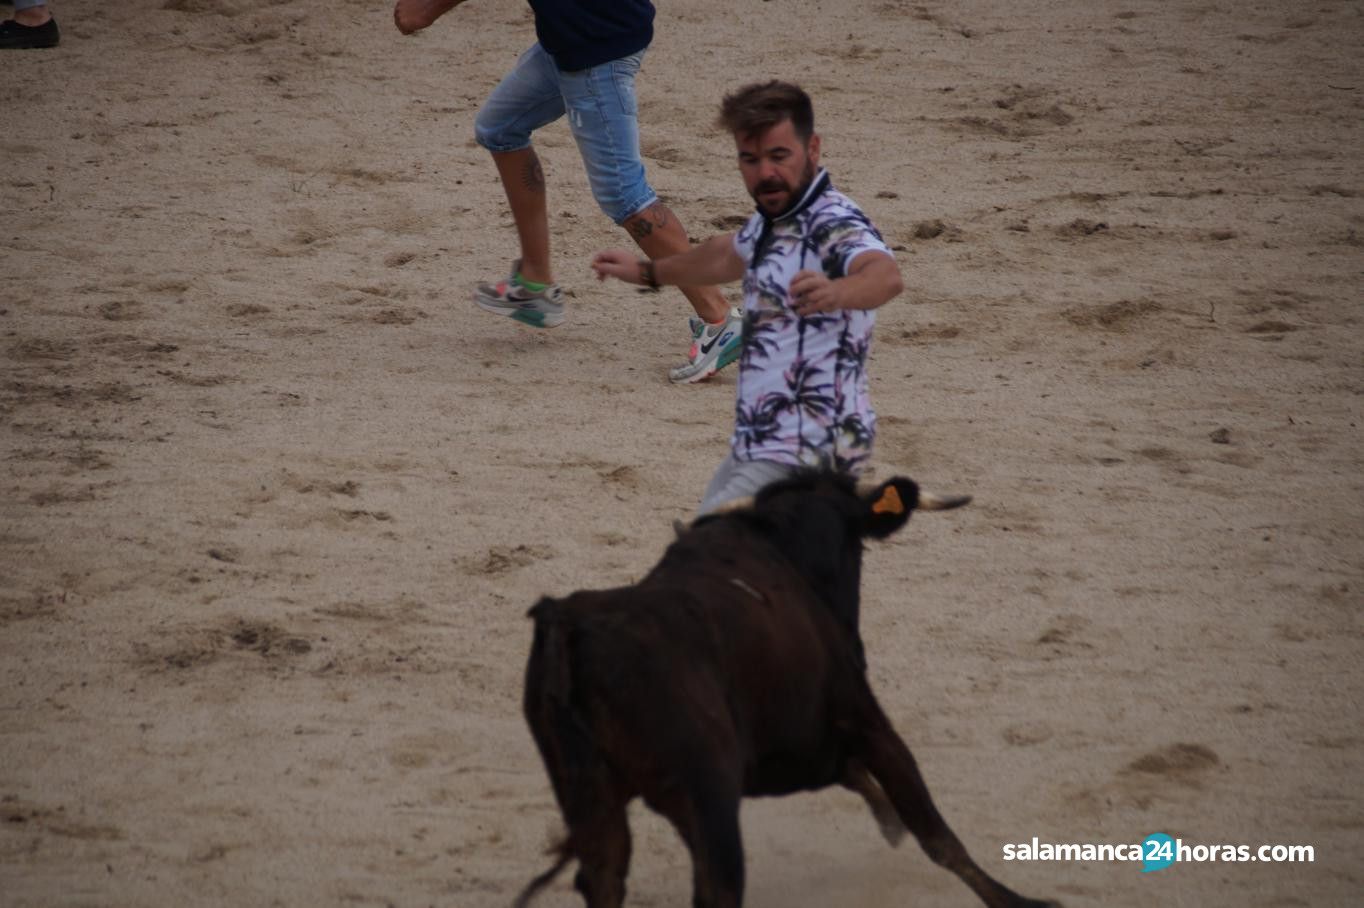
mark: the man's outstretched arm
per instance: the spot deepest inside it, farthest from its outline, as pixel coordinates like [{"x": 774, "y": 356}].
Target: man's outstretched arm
[
  {"x": 713, "y": 262},
  {"x": 414, "y": 15},
  {"x": 873, "y": 280}
]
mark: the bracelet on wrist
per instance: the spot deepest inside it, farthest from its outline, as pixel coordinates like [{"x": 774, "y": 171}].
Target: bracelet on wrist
[{"x": 646, "y": 274}]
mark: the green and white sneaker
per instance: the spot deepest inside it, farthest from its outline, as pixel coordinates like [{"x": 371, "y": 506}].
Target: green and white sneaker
[
  {"x": 543, "y": 308},
  {"x": 712, "y": 348}
]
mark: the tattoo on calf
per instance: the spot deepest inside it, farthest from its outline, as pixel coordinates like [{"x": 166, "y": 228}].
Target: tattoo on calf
[
  {"x": 532, "y": 175},
  {"x": 655, "y": 217}
]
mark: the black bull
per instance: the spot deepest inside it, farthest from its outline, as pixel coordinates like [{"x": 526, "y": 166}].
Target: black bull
[{"x": 733, "y": 669}]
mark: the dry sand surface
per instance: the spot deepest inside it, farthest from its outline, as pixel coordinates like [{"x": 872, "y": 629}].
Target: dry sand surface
[{"x": 276, "y": 496}]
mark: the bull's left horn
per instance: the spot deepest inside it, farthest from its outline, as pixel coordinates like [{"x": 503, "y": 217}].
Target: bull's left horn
[
  {"x": 931, "y": 502},
  {"x": 729, "y": 507}
]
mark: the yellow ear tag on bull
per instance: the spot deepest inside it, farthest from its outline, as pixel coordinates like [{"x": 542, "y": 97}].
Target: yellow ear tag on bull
[{"x": 889, "y": 502}]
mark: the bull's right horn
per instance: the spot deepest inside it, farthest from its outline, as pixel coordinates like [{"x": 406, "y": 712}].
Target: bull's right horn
[
  {"x": 931, "y": 502},
  {"x": 729, "y": 507}
]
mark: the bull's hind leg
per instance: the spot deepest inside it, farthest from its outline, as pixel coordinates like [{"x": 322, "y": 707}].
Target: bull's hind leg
[
  {"x": 602, "y": 844},
  {"x": 705, "y": 813},
  {"x": 891, "y": 763}
]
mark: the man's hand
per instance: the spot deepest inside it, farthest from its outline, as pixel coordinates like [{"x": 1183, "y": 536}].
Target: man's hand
[
  {"x": 414, "y": 15},
  {"x": 872, "y": 280},
  {"x": 812, "y": 291},
  {"x": 711, "y": 262},
  {"x": 618, "y": 263}
]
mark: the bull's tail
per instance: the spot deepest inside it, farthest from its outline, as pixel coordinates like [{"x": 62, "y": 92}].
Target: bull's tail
[
  {"x": 560, "y": 733},
  {"x": 533, "y": 888}
]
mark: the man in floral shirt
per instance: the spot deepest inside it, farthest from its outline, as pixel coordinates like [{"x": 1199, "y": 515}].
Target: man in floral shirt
[{"x": 814, "y": 271}]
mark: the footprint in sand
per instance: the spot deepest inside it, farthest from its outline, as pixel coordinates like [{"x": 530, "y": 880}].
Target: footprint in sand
[
  {"x": 120, "y": 310},
  {"x": 193, "y": 647},
  {"x": 1119, "y": 316},
  {"x": 504, "y": 559},
  {"x": 1184, "y": 764}
]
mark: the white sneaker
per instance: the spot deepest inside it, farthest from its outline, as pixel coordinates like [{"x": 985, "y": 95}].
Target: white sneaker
[
  {"x": 713, "y": 347},
  {"x": 537, "y": 308}
]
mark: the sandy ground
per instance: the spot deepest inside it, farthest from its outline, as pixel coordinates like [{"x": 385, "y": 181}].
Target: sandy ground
[{"x": 276, "y": 496}]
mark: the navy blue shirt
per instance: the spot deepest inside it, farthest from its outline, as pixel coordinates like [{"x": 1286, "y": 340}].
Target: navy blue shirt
[{"x": 580, "y": 34}]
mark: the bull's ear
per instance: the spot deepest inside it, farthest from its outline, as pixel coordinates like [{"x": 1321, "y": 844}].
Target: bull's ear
[{"x": 888, "y": 506}]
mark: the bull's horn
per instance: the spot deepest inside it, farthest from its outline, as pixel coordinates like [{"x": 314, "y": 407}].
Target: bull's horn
[
  {"x": 729, "y": 507},
  {"x": 927, "y": 500},
  {"x": 930, "y": 502}
]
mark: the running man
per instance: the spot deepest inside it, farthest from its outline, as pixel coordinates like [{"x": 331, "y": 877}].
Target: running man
[
  {"x": 814, "y": 271},
  {"x": 584, "y": 63}
]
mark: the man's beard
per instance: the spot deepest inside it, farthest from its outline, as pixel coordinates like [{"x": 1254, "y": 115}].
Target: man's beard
[{"x": 779, "y": 185}]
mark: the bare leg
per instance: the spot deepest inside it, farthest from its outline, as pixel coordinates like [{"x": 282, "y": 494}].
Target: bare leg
[
  {"x": 524, "y": 182},
  {"x": 659, "y": 233},
  {"x": 33, "y": 15}
]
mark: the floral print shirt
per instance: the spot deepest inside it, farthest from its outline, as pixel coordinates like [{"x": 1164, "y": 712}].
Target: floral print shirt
[{"x": 802, "y": 394}]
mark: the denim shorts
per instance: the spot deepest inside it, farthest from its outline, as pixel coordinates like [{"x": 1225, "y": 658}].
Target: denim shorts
[{"x": 602, "y": 114}]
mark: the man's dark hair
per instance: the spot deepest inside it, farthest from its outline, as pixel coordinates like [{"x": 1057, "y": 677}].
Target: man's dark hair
[{"x": 756, "y": 108}]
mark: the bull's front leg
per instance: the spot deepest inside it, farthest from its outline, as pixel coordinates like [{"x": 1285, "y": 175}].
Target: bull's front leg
[
  {"x": 892, "y": 765},
  {"x": 857, "y": 778}
]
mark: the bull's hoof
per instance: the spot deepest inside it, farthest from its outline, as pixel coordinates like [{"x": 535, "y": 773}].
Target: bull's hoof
[{"x": 892, "y": 830}]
